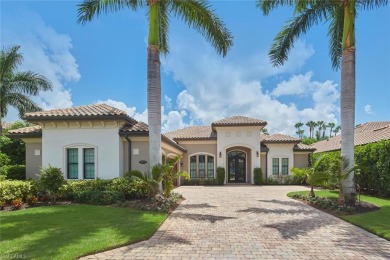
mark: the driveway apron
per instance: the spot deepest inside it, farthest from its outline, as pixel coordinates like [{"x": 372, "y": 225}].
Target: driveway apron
[{"x": 251, "y": 222}]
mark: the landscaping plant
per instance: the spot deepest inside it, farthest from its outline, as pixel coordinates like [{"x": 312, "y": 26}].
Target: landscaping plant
[
  {"x": 220, "y": 175},
  {"x": 51, "y": 180},
  {"x": 258, "y": 176}
]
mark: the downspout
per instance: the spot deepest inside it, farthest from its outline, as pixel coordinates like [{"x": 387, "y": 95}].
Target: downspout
[{"x": 129, "y": 147}]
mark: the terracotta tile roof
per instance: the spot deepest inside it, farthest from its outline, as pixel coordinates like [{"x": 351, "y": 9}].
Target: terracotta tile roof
[
  {"x": 192, "y": 132},
  {"x": 6, "y": 124},
  {"x": 370, "y": 132},
  {"x": 138, "y": 127},
  {"x": 96, "y": 111},
  {"x": 279, "y": 138},
  {"x": 371, "y": 126},
  {"x": 303, "y": 147},
  {"x": 34, "y": 130},
  {"x": 239, "y": 121}
]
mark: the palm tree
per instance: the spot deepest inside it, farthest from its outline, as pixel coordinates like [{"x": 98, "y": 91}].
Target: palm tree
[
  {"x": 324, "y": 126},
  {"x": 341, "y": 14},
  {"x": 16, "y": 87},
  {"x": 300, "y": 133},
  {"x": 336, "y": 130},
  {"x": 311, "y": 125},
  {"x": 331, "y": 125},
  {"x": 196, "y": 13},
  {"x": 320, "y": 125}
]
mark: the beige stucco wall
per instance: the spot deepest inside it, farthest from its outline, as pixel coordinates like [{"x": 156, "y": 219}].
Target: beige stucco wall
[
  {"x": 192, "y": 149},
  {"x": 33, "y": 159},
  {"x": 301, "y": 160},
  {"x": 263, "y": 163},
  {"x": 143, "y": 154}
]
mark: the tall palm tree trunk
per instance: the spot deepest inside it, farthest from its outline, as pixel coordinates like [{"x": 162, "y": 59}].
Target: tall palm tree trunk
[
  {"x": 154, "y": 87},
  {"x": 347, "y": 101}
]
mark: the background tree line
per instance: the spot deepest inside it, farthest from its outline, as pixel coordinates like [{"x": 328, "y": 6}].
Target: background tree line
[{"x": 317, "y": 131}]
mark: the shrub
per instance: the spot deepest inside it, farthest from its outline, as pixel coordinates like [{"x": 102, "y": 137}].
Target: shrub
[
  {"x": 132, "y": 173},
  {"x": 220, "y": 175},
  {"x": 71, "y": 187},
  {"x": 130, "y": 188},
  {"x": 374, "y": 163},
  {"x": 17, "y": 203},
  {"x": 14, "y": 189},
  {"x": 16, "y": 172},
  {"x": 258, "y": 176},
  {"x": 4, "y": 159},
  {"x": 51, "y": 180},
  {"x": 4, "y": 171},
  {"x": 272, "y": 181},
  {"x": 98, "y": 197},
  {"x": 200, "y": 181}
]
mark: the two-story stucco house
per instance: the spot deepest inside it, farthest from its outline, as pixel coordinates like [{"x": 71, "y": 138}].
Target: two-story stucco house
[{"x": 100, "y": 141}]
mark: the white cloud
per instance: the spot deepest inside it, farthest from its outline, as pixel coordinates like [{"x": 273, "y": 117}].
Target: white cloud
[
  {"x": 296, "y": 85},
  {"x": 168, "y": 102},
  {"x": 368, "y": 110},
  {"x": 46, "y": 52},
  {"x": 217, "y": 89},
  {"x": 131, "y": 111},
  {"x": 171, "y": 121}
]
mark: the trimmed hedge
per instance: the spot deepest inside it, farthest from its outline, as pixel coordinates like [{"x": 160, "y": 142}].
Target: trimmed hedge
[
  {"x": 220, "y": 175},
  {"x": 374, "y": 161},
  {"x": 14, "y": 189},
  {"x": 98, "y": 197},
  {"x": 131, "y": 188},
  {"x": 16, "y": 172},
  {"x": 203, "y": 181},
  {"x": 258, "y": 176}
]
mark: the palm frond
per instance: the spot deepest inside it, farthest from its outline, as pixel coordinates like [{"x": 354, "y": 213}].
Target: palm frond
[
  {"x": 164, "y": 27},
  {"x": 298, "y": 25},
  {"x": 90, "y": 8},
  {"x": 10, "y": 59},
  {"x": 22, "y": 102},
  {"x": 266, "y": 6},
  {"x": 370, "y": 4},
  {"x": 335, "y": 35},
  {"x": 198, "y": 15},
  {"x": 29, "y": 82}
]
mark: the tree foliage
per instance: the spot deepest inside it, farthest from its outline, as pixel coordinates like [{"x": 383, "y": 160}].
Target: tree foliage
[
  {"x": 373, "y": 161},
  {"x": 16, "y": 87}
]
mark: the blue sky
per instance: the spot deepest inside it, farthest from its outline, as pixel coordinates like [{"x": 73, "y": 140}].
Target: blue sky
[{"x": 105, "y": 61}]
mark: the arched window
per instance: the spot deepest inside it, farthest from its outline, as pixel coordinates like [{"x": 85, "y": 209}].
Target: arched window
[{"x": 202, "y": 166}]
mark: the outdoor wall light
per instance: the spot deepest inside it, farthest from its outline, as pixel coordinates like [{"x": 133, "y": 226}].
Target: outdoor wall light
[
  {"x": 257, "y": 154},
  {"x": 181, "y": 164},
  {"x": 220, "y": 155}
]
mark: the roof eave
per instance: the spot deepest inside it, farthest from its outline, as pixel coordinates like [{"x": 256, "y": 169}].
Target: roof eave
[
  {"x": 214, "y": 125},
  {"x": 89, "y": 117},
  {"x": 281, "y": 142},
  {"x": 194, "y": 138},
  {"x": 24, "y": 135}
]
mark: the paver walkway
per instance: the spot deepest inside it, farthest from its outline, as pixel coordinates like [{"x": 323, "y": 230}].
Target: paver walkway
[{"x": 258, "y": 222}]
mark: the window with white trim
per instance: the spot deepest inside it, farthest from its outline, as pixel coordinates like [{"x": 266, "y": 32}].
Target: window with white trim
[
  {"x": 202, "y": 166},
  {"x": 280, "y": 166},
  {"x": 80, "y": 163}
]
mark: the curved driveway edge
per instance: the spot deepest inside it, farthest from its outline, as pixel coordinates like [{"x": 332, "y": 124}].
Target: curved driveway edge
[{"x": 251, "y": 222}]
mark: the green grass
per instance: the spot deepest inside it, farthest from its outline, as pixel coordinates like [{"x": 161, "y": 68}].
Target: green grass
[
  {"x": 377, "y": 222},
  {"x": 70, "y": 231}
]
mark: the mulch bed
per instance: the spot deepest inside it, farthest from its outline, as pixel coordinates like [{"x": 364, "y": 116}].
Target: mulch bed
[{"x": 360, "y": 207}]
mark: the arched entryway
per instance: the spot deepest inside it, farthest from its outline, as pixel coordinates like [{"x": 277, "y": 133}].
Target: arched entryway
[{"x": 236, "y": 166}]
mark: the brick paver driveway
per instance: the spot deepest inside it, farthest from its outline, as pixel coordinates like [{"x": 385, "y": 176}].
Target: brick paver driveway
[{"x": 256, "y": 222}]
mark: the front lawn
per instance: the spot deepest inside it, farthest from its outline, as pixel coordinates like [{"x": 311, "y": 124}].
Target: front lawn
[
  {"x": 70, "y": 231},
  {"x": 377, "y": 222}
]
